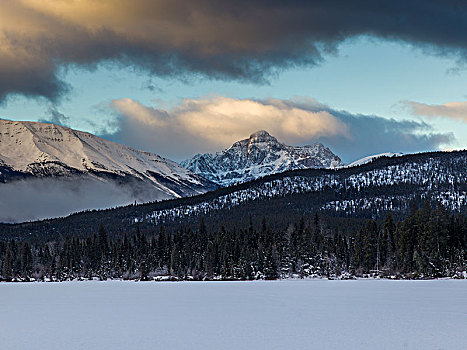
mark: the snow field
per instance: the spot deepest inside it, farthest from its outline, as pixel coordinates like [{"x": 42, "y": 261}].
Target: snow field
[{"x": 310, "y": 314}]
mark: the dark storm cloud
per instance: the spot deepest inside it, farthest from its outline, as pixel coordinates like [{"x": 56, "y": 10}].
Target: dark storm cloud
[
  {"x": 374, "y": 135},
  {"x": 242, "y": 40}
]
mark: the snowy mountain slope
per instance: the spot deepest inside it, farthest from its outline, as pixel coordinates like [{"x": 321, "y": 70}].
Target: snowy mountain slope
[
  {"x": 32, "y": 147},
  {"x": 384, "y": 185},
  {"x": 369, "y": 159},
  {"x": 259, "y": 155},
  {"x": 33, "y": 151}
]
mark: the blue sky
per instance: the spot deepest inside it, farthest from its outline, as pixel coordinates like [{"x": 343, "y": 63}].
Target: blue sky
[{"x": 363, "y": 75}]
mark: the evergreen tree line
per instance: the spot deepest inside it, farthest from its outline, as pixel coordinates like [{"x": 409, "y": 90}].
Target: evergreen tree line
[{"x": 428, "y": 243}]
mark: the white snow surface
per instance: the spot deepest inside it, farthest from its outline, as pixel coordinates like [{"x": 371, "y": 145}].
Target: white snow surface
[
  {"x": 302, "y": 314},
  {"x": 26, "y": 143},
  {"x": 369, "y": 159}
]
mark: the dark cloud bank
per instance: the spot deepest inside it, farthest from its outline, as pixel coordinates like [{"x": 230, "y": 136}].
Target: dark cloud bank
[
  {"x": 242, "y": 40},
  {"x": 373, "y": 135},
  {"x": 370, "y": 134}
]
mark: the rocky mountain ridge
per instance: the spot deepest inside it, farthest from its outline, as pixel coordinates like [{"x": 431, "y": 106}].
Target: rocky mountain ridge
[{"x": 259, "y": 155}]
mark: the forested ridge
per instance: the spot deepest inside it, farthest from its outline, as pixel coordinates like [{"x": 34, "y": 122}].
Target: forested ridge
[
  {"x": 369, "y": 191},
  {"x": 400, "y": 217},
  {"x": 430, "y": 242}
]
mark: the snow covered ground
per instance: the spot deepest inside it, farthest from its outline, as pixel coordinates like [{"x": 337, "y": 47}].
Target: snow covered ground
[{"x": 362, "y": 314}]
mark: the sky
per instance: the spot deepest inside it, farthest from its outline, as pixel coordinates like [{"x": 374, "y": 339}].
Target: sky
[{"x": 177, "y": 78}]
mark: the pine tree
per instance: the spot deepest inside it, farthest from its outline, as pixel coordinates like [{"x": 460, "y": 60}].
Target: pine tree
[
  {"x": 26, "y": 260},
  {"x": 7, "y": 264},
  {"x": 103, "y": 247},
  {"x": 389, "y": 246}
]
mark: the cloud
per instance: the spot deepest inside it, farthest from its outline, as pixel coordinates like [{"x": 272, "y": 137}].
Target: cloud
[
  {"x": 214, "y": 123},
  {"x": 55, "y": 117},
  {"x": 374, "y": 135},
  {"x": 451, "y": 110},
  {"x": 242, "y": 40}
]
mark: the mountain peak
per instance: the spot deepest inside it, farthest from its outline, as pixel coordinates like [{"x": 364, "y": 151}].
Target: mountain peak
[
  {"x": 259, "y": 155},
  {"x": 260, "y": 134}
]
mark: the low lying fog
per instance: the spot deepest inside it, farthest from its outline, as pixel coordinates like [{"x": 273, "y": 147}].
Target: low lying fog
[{"x": 37, "y": 199}]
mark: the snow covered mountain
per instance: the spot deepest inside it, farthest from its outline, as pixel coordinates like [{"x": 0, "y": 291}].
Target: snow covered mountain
[
  {"x": 259, "y": 155},
  {"x": 71, "y": 165},
  {"x": 387, "y": 184},
  {"x": 369, "y": 159}
]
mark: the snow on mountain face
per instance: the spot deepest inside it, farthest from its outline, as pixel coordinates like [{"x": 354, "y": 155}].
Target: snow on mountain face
[
  {"x": 361, "y": 192},
  {"x": 25, "y": 146},
  {"x": 259, "y": 155},
  {"x": 371, "y": 158},
  {"x": 31, "y": 150}
]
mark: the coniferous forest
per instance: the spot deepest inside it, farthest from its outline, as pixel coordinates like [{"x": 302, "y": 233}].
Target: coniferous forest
[{"x": 428, "y": 242}]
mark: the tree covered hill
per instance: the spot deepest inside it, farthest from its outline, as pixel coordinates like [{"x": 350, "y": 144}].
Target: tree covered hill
[{"x": 367, "y": 191}]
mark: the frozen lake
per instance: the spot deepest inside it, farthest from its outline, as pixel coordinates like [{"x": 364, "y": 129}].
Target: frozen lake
[{"x": 363, "y": 314}]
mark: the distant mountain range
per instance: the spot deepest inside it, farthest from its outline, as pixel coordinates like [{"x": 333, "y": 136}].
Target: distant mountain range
[
  {"x": 48, "y": 170},
  {"x": 259, "y": 155}
]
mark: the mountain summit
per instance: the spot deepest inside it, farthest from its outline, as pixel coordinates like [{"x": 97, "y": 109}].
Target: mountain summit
[{"x": 259, "y": 155}]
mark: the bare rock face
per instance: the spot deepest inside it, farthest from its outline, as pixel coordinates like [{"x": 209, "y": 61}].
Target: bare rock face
[{"x": 259, "y": 155}]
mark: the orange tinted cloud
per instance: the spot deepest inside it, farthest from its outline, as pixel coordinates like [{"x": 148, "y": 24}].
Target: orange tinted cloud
[
  {"x": 217, "y": 122},
  {"x": 451, "y": 110}
]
